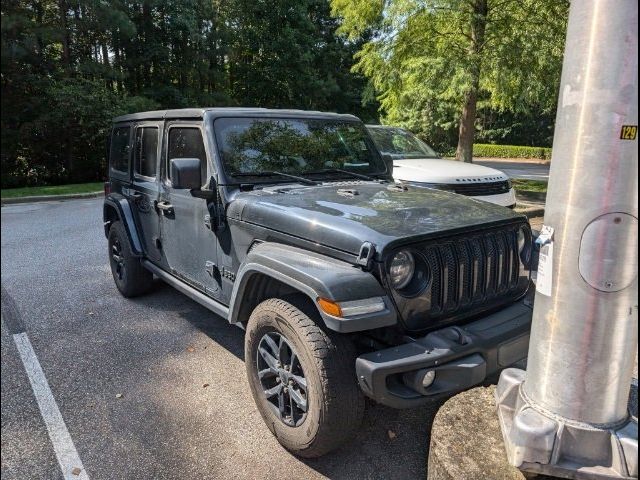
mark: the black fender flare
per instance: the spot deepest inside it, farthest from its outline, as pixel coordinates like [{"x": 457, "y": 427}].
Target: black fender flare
[
  {"x": 314, "y": 275},
  {"x": 117, "y": 203}
]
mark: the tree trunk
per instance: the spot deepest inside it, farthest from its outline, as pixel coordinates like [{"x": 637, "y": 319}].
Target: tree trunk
[
  {"x": 66, "y": 36},
  {"x": 466, "y": 130},
  {"x": 37, "y": 6},
  {"x": 107, "y": 66}
]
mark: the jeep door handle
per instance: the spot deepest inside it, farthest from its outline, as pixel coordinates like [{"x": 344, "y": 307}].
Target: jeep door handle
[
  {"x": 137, "y": 196},
  {"x": 166, "y": 207}
]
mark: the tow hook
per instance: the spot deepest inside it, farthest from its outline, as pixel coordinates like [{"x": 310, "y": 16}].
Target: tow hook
[
  {"x": 456, "y": 334},
  {"x": 367, "y": 251}
]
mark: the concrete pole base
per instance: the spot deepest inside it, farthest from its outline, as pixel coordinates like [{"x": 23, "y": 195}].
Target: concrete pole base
[
  {"x": 539, "y": 442},
  {"x": 466, "y": 441}
]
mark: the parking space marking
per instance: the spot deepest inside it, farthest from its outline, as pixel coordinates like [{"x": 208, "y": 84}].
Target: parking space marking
[{"x": 70, "y": 463}]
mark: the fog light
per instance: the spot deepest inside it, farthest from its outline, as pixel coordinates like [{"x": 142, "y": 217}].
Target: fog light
[{"x": 428, "y": 378}]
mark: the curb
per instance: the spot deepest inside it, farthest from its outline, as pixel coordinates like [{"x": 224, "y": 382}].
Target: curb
[
  {"x": 469, "y": 447},
  {"x": 532, "y": 211},
  {"x": 536, "y": 197},
  {"x": 48, "y": 198}
]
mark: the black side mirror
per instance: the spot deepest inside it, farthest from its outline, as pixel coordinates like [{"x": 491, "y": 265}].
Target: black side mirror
[
  {"x": 185, "y": 173},
  {"x": 388, "y": 162},
  {"x": 209, "y": 193}
]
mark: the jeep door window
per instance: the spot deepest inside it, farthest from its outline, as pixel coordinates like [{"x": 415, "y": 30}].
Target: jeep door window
[
  {"x": 119, "y": 151},
  {"x": 186, "y": 142},
  {"x": 400, "y": 143},
  {"x": 298, "y": 146},
  {"x": 146, "y": 151}
]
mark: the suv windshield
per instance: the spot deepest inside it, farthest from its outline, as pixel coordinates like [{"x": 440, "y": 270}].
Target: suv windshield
[
  {"x": 299, "y": 146},
  {"x": 400, "y": 143}
]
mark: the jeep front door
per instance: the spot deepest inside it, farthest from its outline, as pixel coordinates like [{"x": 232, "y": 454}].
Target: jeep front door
[{"x": 188, "y": 243}]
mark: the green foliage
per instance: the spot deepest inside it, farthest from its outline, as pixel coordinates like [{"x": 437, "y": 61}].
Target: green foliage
[
  {"x": 62, "y": 138},
  {"x": 515, "y": 128},
  {"x": 69, "y": 66},
  {"x": 510, "y": 151},
  {"x": 425, "y": 58}
]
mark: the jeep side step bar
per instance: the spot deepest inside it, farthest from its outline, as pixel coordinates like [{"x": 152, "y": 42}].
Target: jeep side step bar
[{"x": 213, "y": 305}]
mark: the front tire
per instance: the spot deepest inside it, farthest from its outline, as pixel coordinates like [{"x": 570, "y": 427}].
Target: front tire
[
  {"x": 131, "y": 278},
  {"x": 302, "y": 378}
]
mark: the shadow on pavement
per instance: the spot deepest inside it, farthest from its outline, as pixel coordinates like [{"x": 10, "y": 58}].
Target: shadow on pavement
[{"x": 390, "y": 444}]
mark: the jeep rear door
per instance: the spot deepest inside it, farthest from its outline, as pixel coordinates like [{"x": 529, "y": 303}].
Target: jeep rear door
[
  {"x": 188, "y": 243},
  {"x": 145, "y": 187}
]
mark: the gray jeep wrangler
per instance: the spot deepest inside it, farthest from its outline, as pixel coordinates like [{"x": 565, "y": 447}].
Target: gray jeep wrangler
[{"x": 288, "y": 224}]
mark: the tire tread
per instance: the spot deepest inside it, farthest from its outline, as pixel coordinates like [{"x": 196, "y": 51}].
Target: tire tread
[
  {"x": 334, "y": 356},
  {"x": 139, "y": 279}
]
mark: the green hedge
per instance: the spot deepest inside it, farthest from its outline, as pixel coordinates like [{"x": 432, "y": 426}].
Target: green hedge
[{"x": 510, "y": 151}]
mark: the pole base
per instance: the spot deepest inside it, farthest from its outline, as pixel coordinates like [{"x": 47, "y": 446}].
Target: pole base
[{"x": 538, "y": 442}]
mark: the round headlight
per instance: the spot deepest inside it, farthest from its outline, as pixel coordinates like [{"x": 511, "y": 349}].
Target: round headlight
[
  {"x": 524, "y": 243},
  {"x": 522, "y": 239},
  {"x": 401, "y": 269}
]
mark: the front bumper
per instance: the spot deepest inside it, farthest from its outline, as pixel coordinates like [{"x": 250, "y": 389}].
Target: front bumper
[{"x": 460, "y": 356}]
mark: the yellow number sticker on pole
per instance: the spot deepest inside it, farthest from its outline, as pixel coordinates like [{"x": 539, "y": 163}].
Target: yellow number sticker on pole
[{"x": 629, "y": 132}]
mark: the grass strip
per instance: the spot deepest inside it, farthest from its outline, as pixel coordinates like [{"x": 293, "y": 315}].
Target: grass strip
[
  {"x": 51, "y": 190},
  {"x": 522, "y": 185}
]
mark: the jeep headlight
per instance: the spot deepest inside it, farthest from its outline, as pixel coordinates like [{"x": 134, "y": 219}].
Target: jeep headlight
[
  {"x": 401, "y": 269},
  {"x": 524, "y": 245}
]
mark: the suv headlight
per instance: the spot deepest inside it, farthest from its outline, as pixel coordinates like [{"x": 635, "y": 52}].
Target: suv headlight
[{"x": 401, "y": 269}]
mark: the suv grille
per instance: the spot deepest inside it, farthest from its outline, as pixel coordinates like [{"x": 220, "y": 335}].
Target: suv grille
[
  {"x": 466, "y": 274},
  {"x": 480, "y": 189}
]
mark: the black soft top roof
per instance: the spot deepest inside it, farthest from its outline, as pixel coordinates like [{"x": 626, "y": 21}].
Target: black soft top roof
[{"x": 187, "y": 113}]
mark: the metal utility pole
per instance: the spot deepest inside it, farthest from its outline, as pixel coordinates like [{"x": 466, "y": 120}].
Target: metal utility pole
[{"x": 567, "y": 415}]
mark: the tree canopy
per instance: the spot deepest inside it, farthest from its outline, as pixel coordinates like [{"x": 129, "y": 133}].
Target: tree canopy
[
  {"x": 436, "y": 63},
  {"x": 448, "y": 69},
  {"x": 69, "y": 66}
]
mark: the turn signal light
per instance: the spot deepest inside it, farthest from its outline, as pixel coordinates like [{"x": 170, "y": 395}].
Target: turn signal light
[{"x": 330, "y": 307}]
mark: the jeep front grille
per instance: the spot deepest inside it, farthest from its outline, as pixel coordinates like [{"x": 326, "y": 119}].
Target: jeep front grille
[{"x": 466, "y": 274}]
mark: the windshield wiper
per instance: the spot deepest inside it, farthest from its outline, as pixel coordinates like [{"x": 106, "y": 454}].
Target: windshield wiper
[
  {"x": 270, "y": 173},
  {"x": 340, "y": 170}
]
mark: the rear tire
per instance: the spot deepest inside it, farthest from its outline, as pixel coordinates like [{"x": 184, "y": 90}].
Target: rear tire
[
  {"x": 131, "y": 278},
  {"x": 326, "y": 362}
]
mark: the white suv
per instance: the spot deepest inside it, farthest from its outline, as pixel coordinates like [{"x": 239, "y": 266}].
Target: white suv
[{"x": 416, "y": 163}]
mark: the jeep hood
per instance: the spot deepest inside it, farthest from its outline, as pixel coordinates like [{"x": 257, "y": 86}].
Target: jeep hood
[{"x": 344, "y": 216}]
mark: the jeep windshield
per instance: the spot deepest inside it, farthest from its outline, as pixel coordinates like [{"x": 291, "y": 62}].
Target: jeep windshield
[{"x": 264, "y": 149}]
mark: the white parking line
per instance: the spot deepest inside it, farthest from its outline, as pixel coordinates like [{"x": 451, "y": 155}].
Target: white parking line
[{"x": 72, "y": 468}]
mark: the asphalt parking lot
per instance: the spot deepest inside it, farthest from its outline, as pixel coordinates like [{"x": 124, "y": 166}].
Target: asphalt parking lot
[
  {"x": 153, "y": 387},
  {"x": 148, "y": 388},
  {"x": 516, "y": 169}
]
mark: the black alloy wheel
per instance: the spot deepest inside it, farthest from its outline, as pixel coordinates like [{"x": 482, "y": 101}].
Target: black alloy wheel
[
  {"x": 282, "y": 379},
  {"x": 117, "y": 260}
]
